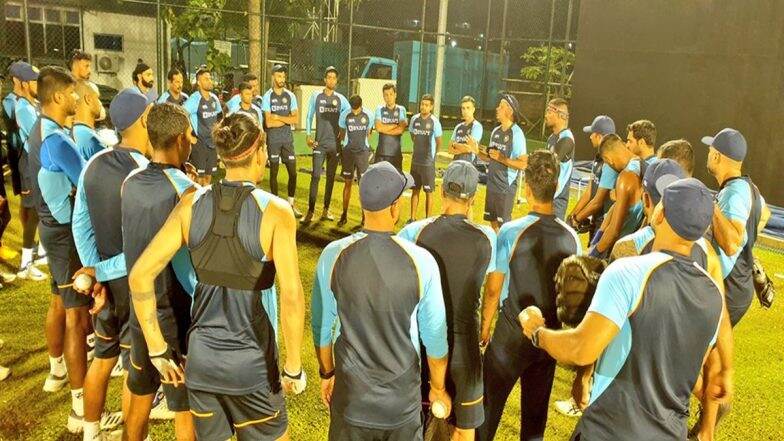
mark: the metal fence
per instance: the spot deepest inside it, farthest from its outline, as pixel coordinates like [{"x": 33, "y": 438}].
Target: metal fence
[{"x": 491, "y": 46}]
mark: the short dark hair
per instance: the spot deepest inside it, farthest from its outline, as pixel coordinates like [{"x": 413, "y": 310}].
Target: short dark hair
[
  {"x": 610, "y": 143},
  {"x": 165, "y": 123},
  {"x": 78, "y": 55},
  {"x": 234, "y": 135},
  {"x": 389, "y": 86},
  {"x": 141, "y": 67},
  {"x": 680, "y": 151},
  {"x": 244, "y": 86},
  {"x": 541, "y": 175},
  {"x": 468, "y": 99},
  {"x": 427, "y": 97},
  {"x": 643, "y": 129},
  {"x": 355, "y": 101},
  {"x": 51, "y": 80},
  {"x": 248, "y": 77},
  {"x": 172, "y": 72},
  {"x": 201, "y": 71}
]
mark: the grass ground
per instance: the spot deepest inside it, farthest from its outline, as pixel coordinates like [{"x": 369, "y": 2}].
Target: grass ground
[{"x": 27, "y": 413}]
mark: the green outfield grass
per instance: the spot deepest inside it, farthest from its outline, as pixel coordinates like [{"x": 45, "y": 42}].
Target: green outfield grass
[{"x": 26, "y": 413}]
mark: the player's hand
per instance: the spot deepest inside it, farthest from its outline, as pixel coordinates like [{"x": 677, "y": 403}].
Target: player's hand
[
  {"x": 311, "y": 143},
  {"x": 494, "y": 154},
  {"x": 89, "y": 271},
  {"x": 294, "y": 383},
  {"x": 190, "y": 170},
  {"x": 326, "y": 391},
  {"x": 472, "y": 144},
  {"x": 442, "y": 397},
  {"x": 721, "y": 387},
  {"x": 99, "y": 299},
  {"x": 581, "y": 393},
  {"x": 531, "y": 319},
  {"x": 168, "y": 367}
]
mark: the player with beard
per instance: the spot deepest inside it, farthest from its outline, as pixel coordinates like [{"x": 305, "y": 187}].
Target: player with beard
[
  {"x": 144, "y": 80},
  {"x": 174, "y": 93}
]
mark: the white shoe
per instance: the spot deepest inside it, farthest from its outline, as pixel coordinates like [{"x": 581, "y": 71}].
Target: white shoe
[
  {"x": 4, "y": 373},
  {"x": 54, "y": 383},
  {"x": 568, "y": 408},
  {"x": 75, "y": 423},
  {"x": 111, "y": 420},
  {"x": 160, "y": 409},
  {"x": 117, "y": 370},
  {"x": 7, "y": 277},
  {"x": 30, "y": 272},
  {"x": 41, "y": 261}
]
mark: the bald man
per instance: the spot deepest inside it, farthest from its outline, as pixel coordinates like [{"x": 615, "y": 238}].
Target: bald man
[{"x": 89, "y": 109}]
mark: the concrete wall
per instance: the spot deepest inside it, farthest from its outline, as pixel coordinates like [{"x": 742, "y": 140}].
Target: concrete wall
[
  {"x": 692, "y": 67},
  {"x": 138, "y": 42}
]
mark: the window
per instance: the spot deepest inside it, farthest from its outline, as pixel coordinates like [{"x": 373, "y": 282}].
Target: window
[
  {"x": 108, "y": 42},
  {"x": 54, "y": 31},
  {"x": 13, "y": 12}
]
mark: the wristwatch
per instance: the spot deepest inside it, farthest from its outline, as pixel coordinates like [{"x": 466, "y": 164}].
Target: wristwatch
[{"x": 535, "y": 337}]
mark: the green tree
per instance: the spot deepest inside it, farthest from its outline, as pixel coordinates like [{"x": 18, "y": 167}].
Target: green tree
[{"x": 560, "y": 65}]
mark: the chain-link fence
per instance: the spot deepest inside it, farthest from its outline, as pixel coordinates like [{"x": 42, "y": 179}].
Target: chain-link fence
[{"x": 490, "y": 46}]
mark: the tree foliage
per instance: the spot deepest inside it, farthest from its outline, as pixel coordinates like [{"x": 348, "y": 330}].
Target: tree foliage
[{"x": 560, "y": 65}]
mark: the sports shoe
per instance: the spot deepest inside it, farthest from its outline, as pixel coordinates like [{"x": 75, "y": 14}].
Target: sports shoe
[
  {"x": 326, "y": 215},
  {"x": 4, "y": 373},
  {"x": 75, "y": 423},
  {"x": 117, "y": 370},
  {"x": 308, "y": 218},
  {"x": 30, "y": 272},
  {"x": 7, "y": 277},
  {"x": 41, "y": 261},
  {"x": 343, "y": 220},
  {"x": 7, "y": 254},
  {"x": 54, "y": 383},
  {"x": 568, "y": 408},
  {"x": 111, "y": 420},
  {"x": 160, "y": 409}
]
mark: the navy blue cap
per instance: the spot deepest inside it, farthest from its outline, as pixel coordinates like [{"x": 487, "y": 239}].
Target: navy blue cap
[
  {"x": 127, "y": 107},
  {"x": 330, "y": 69},
  {"x": 688, "y": 208},
  {"x": 513, "y": 103},
  {"x": 729, "y": 142},
  {"x": 461, "y": 179},
  {"x": 659, "y": 175},
  {"x": 278, "y": 68},
  {"x": 23, "y": 71},
  {"x": 381, "y": 185},
  {"x": 602, "y": 124}
]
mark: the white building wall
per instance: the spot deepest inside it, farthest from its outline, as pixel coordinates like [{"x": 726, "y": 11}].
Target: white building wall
[{"x": 138, "y": 42}]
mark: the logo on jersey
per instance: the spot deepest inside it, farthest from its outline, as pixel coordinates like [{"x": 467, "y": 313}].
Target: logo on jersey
[
  {"x": 204, "y": 106},
  {"x": 284, "y": 100},
  {"x": 364, "y": 120},
  {"x": 506, "y": 138},
  {"x": 428, "y": 126},
  {"x": 335, "y": 102}
]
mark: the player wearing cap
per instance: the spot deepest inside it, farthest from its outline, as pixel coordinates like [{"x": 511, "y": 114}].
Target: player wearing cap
[
  {"x": 595, "y": 201},
  {"x": 425, "y": 130},
  {"x": 80, "y": 64},
  {"x": 466, "y": 254},
  {"x": 238, "y": 237},
  {"x": 233, "y": 103},
  {"x": 54, "y": 166},
  {"x": 626, "y": 214},
  {"x": 390, "y": 123},
  {"x": 372, "y": 382},
  {"x": 458, "y": 146},
  {"x": 280, "y": 116},
  {"x": 650, "y": 325},
  {"x": 97, "y": 230},
  {"x": 739, "y": 214},
  {"x": 205, "y": 111},
  {"x": 149, "y": 195},
  {"x": 88, "y": 110},
  {"x": 356, "y": 125},
  {"x": 641, "y": 140},
  {"x": 561, "y": 142},
  {"x": 327, "y": 107},
  {"x": 143, "y": 79},
  {"x": 246, "y": 105},
  {"x": 27, "y": 121},
  {"x": 174, "y": 93},
  {"x": 530, "y": 249},
  {"x": 506, "y": 154}
]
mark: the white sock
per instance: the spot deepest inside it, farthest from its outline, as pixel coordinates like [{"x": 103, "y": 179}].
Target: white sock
[
  {"x": 41, "y": 250},
  {"x": 91, "y": 430},
  {"x": 27, "y": 257},
  {"x": 57, "y": 366},
  {"x": 77, "y": 401},
  {"x": 91, "y": 341},
  {"x": 291, "y": 201}
]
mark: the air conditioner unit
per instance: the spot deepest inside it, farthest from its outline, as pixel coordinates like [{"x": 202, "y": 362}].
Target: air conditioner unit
[{"x": 108, "y": 63}]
